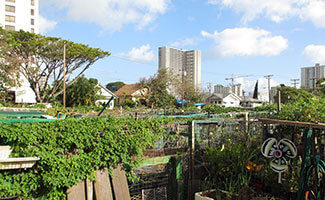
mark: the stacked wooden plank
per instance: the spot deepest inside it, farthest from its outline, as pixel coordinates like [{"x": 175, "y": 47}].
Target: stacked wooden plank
[{"x": 105, "y": 187}]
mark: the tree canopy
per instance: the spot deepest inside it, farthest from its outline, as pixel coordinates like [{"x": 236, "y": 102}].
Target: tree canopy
[
  {"x": 82, "y": 92},
  {"x": 290, "y": 94},
  {"x": 157, "y": 87},
  {"x": 41, "y": 61},
  {"x": 114, "y": 86},
  {"x": 8, "y": 75}
]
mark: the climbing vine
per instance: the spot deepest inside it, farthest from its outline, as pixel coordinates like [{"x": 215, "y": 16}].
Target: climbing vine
[{"x": 72, "y": 150}]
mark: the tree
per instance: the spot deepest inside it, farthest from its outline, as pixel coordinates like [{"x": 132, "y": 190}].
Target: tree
[
  {"x": 42, "y": 61},
  {"x": 290, "y": 94},
  {"x": 8, "y": 75},
  {"x": 82, "y": 92},
  {"x": 184, "y": 89},
  {"x": 114, "y": 86},
  {"x": 157, "y": 88}
]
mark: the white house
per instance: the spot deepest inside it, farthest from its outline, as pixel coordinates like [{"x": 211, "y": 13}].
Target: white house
[
  {"x": 106, "y": 96},
  {"x": 227, "y": 100},
  {"x": 248, "y": 102}
]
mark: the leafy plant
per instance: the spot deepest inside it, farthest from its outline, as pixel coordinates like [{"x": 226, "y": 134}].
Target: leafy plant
[{"x": 71, "y": 151}]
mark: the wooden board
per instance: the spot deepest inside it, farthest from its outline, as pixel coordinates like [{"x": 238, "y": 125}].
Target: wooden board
[
  {"x": 102, "y": 185},
  {"x": 89, "y": 189},
  {"x": 77, "y": 192},
  {"x": 292, "y": 123},
  {"x": 120, "y": 184}
]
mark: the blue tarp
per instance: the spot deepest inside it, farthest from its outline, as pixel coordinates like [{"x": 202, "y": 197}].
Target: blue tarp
[{"x": 180, "y": 101}]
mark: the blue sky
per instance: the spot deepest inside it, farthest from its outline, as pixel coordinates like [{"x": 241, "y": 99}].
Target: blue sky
[{"x": 240, "y": 37}]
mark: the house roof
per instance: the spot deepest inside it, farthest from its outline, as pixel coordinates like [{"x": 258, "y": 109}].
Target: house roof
[
  {"x": 127, "y": 90},
  {"x": 107, "y": 90}
]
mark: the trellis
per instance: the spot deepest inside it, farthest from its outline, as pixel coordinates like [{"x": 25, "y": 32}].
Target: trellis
[{"x": 312, "y": 142}]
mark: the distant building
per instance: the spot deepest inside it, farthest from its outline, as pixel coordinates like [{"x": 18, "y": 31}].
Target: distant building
[
  {"x": 248, "y": 102},
  {"x": 236, "y": 89},
  {"x": 310, "y": 75},
  {"x": 18, "y": 15},
  {"x": 133, "y": 92},
  {"x": 227, "y": 100},
  {"x": 273, "y": 91},
  {"x": 183, "y": 63}
]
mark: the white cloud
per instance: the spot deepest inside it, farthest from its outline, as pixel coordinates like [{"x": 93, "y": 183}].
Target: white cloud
[
  {"x": 315, "y": 53},
  {"x": 246, "y": 42},
  {"x": 45, "y": 25},
  {"x": 314, "y": 12},
  {"x": 277, "y": 10},
  {"x": 185, "y": 42},
  {"x": 113, "y": 14},
  {"x": 142, "y": 54}
]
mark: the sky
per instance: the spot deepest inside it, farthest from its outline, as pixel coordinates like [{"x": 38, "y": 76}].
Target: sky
[{"x": 240, "y": 38}]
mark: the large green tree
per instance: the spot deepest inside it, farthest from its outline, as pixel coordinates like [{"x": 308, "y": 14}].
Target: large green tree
[
  {"x": 42, "y": 61},
  {"x": 291, "y": 94},
  {"x": 157, "y": 87},
  {"x": 114, "y": 86},
  {"x": 82, "y": 92}
]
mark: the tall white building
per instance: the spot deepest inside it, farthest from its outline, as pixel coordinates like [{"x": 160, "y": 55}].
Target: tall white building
[
  {"x": 18, "y": 15},
  {"x": 310, "y": 75},
  {"x": 183, "y": 63}
]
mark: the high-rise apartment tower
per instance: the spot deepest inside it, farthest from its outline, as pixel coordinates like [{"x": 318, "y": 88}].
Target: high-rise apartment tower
[
  {"x": 18, "y": 15},
  {"x": 183, "y": 63},
  {"x": 310, "y": 75}
]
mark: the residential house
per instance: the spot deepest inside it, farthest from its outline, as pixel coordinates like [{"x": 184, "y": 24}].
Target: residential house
[
  {"x": 227, "y": 100},
  {"x": 248, "y": 102},
  {"x": 133, "y": 92},
  {"x": 106, "y": 95}
]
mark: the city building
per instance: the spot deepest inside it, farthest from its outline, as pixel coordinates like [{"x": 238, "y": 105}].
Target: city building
[
  {"x": 183, "y": 63},
  {"x": 310, "y": 75},
  {"x": 236, "y": 89},
  {"x": 18, "y": 15}
]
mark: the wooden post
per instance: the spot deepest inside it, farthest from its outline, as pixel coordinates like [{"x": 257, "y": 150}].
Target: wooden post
[
  {"x": 64, "y": 75},
  {"x": 89, "y": 189},
  {"x": 279, "y": 100}
]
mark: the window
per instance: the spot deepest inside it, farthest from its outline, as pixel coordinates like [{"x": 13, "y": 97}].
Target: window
[
  {"x": 9, "y": 28},
  {"x": 13, "y": 1},
  {"x": 10, "y": 18},
  {"x": 32, "y": 21},
  {"x": 32, "y": 2},
  {"x": 32, "y": 12},
  {"x": 32, "y": 30},
  {"x": 10, "y": 8}
]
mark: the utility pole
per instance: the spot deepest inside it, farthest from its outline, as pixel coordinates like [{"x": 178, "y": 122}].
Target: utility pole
[
  {"x": 295, "y": 82},
  {"x": 268, "y": 77},
  {"x": 209, "y": 87},
  {"x": 64, "y": 75}
]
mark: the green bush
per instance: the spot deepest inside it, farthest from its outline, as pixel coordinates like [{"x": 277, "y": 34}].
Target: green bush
[{"x": 71, "y": 151}]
